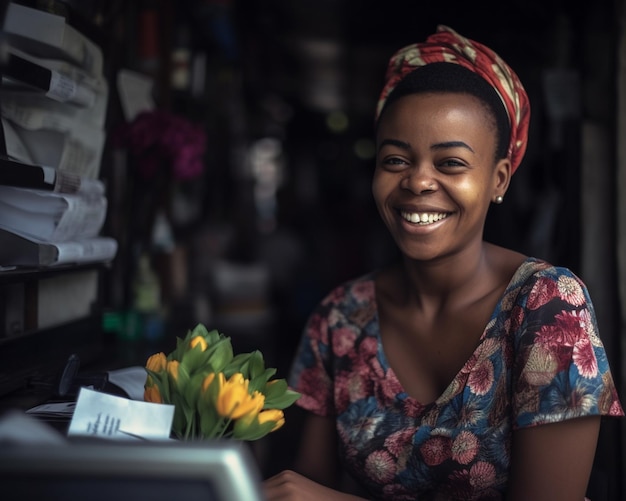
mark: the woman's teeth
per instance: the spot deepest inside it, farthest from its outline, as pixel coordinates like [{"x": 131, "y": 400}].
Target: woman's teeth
[{"x": 423, "y": 218}]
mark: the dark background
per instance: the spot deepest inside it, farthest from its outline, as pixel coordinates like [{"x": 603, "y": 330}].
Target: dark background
[
  {"x": 257, "y": 241},
  {"x": 280, "y": 70}
]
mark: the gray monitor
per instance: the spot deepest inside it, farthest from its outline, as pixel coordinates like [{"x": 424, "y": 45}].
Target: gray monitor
[{"x": 134, "y": 470}]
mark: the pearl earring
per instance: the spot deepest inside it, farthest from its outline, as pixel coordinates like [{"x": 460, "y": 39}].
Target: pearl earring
[{"x": 499, "y": 199}]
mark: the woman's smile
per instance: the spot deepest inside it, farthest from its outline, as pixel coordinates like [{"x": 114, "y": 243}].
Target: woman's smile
[{"x": 423, "y": 218}]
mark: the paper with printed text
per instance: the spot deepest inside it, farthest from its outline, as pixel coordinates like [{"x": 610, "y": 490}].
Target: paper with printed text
[{"x": 108, "y": 416}]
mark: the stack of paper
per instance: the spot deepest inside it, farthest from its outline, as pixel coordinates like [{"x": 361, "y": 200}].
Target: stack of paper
[
  {"x": 45, "y": 229},
  {"x": 53, "y": 103},
  {"x": 54, "y": 92}
]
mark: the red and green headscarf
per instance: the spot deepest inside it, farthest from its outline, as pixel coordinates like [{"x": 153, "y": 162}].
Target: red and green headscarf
[{"x": 446, "y": 45}]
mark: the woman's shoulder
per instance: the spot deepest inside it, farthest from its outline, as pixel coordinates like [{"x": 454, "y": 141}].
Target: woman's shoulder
[
  {"x": 354, "y": 290},
  {"x": 519, "y": 268},
  {"x": 534, "y": 268},
  {"x": 537, "y": 281},
  {"x": 352, "y": 302}
]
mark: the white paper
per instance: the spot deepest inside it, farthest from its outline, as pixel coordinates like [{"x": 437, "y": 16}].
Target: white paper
[
  {"x": 33, "y": 112},
  {"x": 78, "y": 150},
  {"x": 53, "y": 35},
  {"x": 51, "y": 217},
  {"x": 135, "y": 90},
  {"x": 107, "y": 416},
  {"x": 131, "y": 380},
  {"x": 25, "y": 21},
  {"x": 54, "y": 409},
  {"x": 15, "y": 147},
  {"x": 87, "y": 250}
]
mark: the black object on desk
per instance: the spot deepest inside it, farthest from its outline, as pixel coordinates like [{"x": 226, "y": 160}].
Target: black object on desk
[
  {"x": 70, "y": 380},
  {"x": 104, "y": 470}
]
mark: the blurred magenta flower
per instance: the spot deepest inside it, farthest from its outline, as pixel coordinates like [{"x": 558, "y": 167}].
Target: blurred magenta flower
[{"x": 159, "y": 138}]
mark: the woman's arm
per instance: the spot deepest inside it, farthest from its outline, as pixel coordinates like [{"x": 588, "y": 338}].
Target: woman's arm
[
  {"x": 291, "y": 486},
  {"x": 553, "y": 462},
  {"x": 317, "y": 471},
  {"x": 317, "y": 453}
]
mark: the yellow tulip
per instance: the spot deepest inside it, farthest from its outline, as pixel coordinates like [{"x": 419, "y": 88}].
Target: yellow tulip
[
  {"x": 156, "y": 362},
  {"x": 172, "y": 369},
  {"x": 207, "y": 381},
  {"x": 238, "y": 379},
  {"x": 234, "y": 400},
  {"x": 252, "y": 406},
  {"x": 272, "y": 415},
  {"x": 152, "y": 394},
  {"x": 198, "y": 341}
]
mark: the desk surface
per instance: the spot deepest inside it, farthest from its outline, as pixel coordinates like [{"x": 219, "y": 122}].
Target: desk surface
[{"x": 115, "y": 355}]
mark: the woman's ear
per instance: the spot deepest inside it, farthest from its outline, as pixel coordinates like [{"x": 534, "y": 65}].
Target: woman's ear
[{"x": 502, "y": 178}]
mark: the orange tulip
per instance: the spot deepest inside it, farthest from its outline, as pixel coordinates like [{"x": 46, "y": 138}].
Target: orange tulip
[
  {"x": 172, "y": 369},
  {"x": 157, "y": 362},
  {"x": 152, "y": 394}
]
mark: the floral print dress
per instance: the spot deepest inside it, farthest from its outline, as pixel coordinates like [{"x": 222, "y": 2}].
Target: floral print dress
[{"x": 539, "y": 360}]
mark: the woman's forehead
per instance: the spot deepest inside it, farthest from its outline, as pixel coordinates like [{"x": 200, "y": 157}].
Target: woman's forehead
[{"x": 432, "y": 109}]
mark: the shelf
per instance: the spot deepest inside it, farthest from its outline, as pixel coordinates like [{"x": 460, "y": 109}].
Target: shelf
[
  {"x": 34, "y": 359},
  {"x": 23, "y": 274}
]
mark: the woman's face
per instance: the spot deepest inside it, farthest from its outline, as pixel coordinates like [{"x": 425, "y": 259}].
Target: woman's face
[{"x": 435, "y": 175}]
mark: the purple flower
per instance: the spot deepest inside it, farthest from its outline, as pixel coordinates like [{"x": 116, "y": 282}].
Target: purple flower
[{"x": 159, "y": 139}]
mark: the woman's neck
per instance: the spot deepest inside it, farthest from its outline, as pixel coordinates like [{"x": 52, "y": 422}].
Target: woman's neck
[{"x": 455, "y": 280}]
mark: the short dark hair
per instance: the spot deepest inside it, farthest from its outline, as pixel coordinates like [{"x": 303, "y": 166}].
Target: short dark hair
[{"x": 452, "y": 77}]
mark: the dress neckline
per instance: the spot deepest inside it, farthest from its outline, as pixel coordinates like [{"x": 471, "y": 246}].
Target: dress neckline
[{"x": 522, "y": 271}]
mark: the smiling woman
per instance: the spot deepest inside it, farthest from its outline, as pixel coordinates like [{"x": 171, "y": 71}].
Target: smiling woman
[
  {"x": 443, "y": 173},
  {"x": 466, "y": 370}
]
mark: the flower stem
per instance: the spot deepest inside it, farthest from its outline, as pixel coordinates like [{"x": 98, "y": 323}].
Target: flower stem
[
  {"x": 224, "y": 428},
  {"x": 214, "y": 431},
  {"x": 190, "y": 429}
]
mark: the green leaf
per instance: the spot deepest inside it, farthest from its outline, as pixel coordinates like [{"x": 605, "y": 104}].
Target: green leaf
[
  {"x": 259, "y": 382},
  {"x": 210, "y": 423},
  {"x": 220, "y": 355},
  {"x": 239, "y": 363},
  {"x": 256, "y": 364},
  {"x": 199, "y": 330},
  {"x": 193, "y": 390},
  {"x": 251, "y": 431},
  {"x": 214, "y": 336},
  {"x": 193, "y": 359},
  {"x": 181, "y": 346},
  {"x": 283, "y": 401},
  {"x": 209, "y": 397},
  {"x": 179, "y": 421},
  {"x": 275, "y": 388},
  {"x": 183, "y": 377}
]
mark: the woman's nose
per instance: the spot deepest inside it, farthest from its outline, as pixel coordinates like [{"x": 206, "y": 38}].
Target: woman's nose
[{"x": 419, "y": 180}]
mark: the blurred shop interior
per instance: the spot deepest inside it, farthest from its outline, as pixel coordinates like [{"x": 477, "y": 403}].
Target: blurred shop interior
[
  {"x": 239, "y": 152},
  {"x": 279, "y": 208}
]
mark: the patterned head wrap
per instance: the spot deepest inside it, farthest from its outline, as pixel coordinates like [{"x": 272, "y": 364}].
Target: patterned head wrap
[{"x": 446, "y": 45}]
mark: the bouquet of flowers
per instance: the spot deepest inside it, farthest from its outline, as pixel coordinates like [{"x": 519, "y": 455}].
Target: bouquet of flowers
[{"x": 216, "y": 393}]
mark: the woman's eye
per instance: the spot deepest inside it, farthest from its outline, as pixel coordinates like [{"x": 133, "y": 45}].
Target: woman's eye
[
  {"x": 451, "y": 163},
  {"x": 393, "y": 162}
]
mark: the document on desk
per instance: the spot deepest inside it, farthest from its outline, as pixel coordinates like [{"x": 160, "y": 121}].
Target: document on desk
[
  {"x": 131, "y": 380},
  {"x": 103, "y": 415}
]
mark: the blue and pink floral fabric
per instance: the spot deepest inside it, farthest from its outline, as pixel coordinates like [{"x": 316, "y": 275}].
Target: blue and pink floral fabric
[{"x": 539, "y": 360}]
